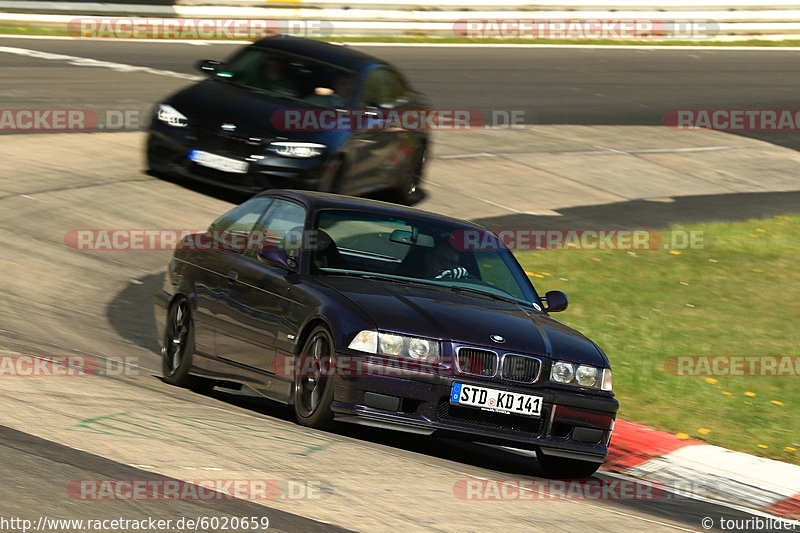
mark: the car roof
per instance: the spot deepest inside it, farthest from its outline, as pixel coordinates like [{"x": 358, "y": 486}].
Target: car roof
[
  {"x": 335, "y": 54},
  {"x": 320, "y": 200}
]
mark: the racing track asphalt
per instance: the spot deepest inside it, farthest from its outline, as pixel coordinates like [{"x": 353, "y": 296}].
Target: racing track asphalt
[{"x": 60, "y": 301}]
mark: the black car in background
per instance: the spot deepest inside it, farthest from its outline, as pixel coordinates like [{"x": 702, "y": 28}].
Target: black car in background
[
  {"x": 287, "y": 112},
  {"x": 372, "y": 313}
]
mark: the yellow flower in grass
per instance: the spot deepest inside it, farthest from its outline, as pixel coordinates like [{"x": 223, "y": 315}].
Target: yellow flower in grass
[
  {"x": 761, "y": 230},
  {"x": 704, "y": 431},
  {"x": 750, "y": 394},
  {"x": 776, "y": 402},
  {"x": 711, "y": 381},
  {"x": 674, "y": 252},
  {"x": 596, "y": 259},
  {"x": 682, "y": 436},
  {"x": 726, "y": 393},
  {"x": 763, "y": 446},
  {"x": 790, "y": 449}
]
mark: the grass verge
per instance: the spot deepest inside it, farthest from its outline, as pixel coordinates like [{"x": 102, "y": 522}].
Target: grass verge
[{"x": 739, "y": 297}]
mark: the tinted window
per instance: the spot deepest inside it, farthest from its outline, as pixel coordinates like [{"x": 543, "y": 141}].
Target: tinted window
[
  {"x": 383, "y": 88},
  {"x": 290, "y": 76},
  {"x": 282, "y": 218},
  {"x": 233, "y": 227},
  {"x": 355, "y": 243}
]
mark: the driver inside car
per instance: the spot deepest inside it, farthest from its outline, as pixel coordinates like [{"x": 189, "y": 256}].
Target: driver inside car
[{"x": 442, "y": 263}]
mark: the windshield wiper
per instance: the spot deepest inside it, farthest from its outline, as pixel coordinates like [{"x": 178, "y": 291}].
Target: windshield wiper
[
  {"x": 459, "y": 288},
  {"x": 382, "y": 277}
]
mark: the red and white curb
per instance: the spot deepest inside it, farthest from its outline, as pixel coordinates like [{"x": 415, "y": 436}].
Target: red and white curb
[{"x": 710, "y": 471}]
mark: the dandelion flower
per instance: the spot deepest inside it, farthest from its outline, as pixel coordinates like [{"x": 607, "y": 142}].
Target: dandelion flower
[
  {"x": 704, "y": 431},
  {"x": 726, "y": 393},
  {"x": 674, "y": 252},
  {"x": 790, "y": 449},
  {"x": 776, "y": 402},
  {"x": 682, "y": 436},
  {"x": 596, "y": 259},
  {"x": 711, "y": 381},
  {"x": 763, "y": 446},
  {"x": 750, "y": 394}
]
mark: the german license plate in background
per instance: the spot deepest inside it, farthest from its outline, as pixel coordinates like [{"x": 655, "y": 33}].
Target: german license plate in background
[
  {"x": 496, "y": 400},
  {"x": 218, "y": 162}
]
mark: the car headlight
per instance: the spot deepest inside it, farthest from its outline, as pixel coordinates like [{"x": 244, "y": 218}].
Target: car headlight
[
  {"x": 297, "y": 149},
  {"x": 415, "y": 348},
  {"x": 586, "y": 376},
  {"x": 562, "y": 372},
  {"x": 581, "y": 375},
  {"x": 170, "y": 115}
]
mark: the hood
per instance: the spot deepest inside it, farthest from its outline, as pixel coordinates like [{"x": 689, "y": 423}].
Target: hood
[
  {"x": 464, "y": 318},
  {"x": 211, "y": 103}
]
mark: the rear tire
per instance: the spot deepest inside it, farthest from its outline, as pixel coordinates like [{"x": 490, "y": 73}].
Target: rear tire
[
  {"x": 178, "y": 349},
  {"x": 562, "y": 468},
  {"x": 313, "y": 388}
]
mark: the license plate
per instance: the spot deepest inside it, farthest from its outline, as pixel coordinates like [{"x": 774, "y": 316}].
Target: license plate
[
  {"x": 218, "y": 162},
  {"x": 496, "y": 400}
]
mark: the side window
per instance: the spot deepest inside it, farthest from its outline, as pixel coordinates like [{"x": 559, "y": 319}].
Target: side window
[
  {"x": 282, "y": 226},
  {"x": 383, "y": 88},
  {"x": 230, "y": 231},
  {"x": 400, "y": 88}
]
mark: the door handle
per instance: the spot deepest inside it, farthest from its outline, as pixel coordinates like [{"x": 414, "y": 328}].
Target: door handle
[{"x": 233, "y": 276}]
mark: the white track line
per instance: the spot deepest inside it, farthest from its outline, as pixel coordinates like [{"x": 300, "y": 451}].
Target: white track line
[{"x": 88, "y": 62}]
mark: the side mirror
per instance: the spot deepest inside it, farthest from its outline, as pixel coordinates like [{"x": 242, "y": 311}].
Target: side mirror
[
  {"x": 276, "y": 256},
  {"x": 556, "y": 301},
  {"x": 208, "y": 66}
]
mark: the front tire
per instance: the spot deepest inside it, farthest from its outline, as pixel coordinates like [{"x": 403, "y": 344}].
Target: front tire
[
  {"x": 314, "y": 383},
  {"x": 562, "y": 468},
  {"x": 407, "y": 192}
]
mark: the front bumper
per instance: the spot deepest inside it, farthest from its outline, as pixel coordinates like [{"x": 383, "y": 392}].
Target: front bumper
[
  {"x": 168, "y": 152},
  {"x": 573, "y": 424}
]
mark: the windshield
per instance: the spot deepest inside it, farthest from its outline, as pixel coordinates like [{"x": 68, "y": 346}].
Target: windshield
[
  {"x": 414, "y": 250},
  {"x": 288, "y": 76}
]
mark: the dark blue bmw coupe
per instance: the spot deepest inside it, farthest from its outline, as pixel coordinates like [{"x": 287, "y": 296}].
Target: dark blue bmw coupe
[{"x": 361, "y": 311}]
